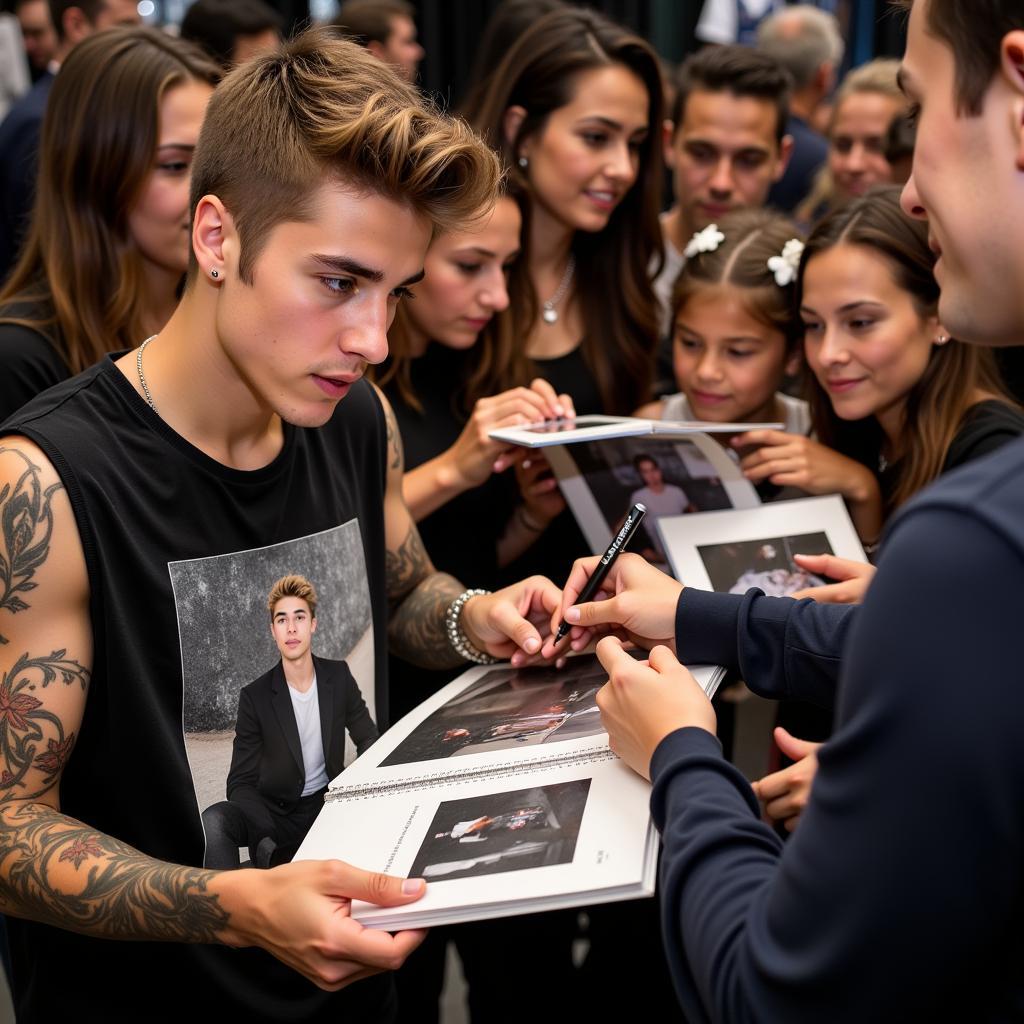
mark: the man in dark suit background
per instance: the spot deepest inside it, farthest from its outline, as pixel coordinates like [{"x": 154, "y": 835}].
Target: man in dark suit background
[{"x": 289, "y": 740}]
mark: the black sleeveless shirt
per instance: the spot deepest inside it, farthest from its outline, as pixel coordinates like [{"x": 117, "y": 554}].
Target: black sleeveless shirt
[{"x": 181, "y": 553}]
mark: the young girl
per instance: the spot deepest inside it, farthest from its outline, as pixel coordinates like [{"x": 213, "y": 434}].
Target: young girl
[
  {"x": 735, "y": 333},
  {"x": 109, "y": 241},
  {"x": 895, "y": 401}
]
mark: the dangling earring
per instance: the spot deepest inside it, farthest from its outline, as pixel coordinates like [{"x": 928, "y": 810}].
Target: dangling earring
[{"x": 523, "y": 163}]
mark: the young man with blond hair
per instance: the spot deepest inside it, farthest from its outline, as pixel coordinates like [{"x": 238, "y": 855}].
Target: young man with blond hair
[
  {"x": 241, "y": 433},
  {"x": 289, "y": 739}
]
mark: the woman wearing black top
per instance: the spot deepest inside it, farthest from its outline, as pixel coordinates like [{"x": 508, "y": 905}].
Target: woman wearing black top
[
  {"x": 109, "y": 241},
  {"x": 474, "y": 516}
]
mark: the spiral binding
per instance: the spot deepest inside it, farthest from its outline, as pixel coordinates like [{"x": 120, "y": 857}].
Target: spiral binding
[{"x": 504, "y": 770}]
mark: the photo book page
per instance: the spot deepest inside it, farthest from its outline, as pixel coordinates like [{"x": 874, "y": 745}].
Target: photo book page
[
  {"x": 592, "y": 428},
  {"x": 734, "y": 550},
  {"x": 669, "y": 475},
  {"x": 500, "y": 790}
]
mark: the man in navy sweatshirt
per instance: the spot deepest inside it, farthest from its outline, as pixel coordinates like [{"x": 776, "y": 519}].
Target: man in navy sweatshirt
[{"x": 899, "y": 896}]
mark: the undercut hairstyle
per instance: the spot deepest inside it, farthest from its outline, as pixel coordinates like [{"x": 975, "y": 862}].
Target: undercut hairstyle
[
  {"x": 752, "y": 238},
  {"x": 802, "y": 38},
  {"x": 937, "y": 403},
  {"x": 322, "y": 110},
  {"x": 292, "y": 586},
  {"x": 216, "y": 25},
  {"x": 80, "y": 268},
  {"x": 739, "y": 71},
  {"x": 974, "y": 32},
  {"x": 369, "y": 21},
  {"x": 612, "y": 283}
]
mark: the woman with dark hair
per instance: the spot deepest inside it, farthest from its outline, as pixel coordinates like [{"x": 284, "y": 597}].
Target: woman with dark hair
[
  {"x": 575, "y": 109},
  {"x": 109, "y": 239},
  {"x": 895, "y": 402}
]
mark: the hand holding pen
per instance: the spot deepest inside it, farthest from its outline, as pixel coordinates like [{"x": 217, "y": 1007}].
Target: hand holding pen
[{"x": 633, "y": 600}]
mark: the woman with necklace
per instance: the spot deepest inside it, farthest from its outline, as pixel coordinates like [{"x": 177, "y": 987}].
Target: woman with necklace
[{"x": 575, "y": 111}]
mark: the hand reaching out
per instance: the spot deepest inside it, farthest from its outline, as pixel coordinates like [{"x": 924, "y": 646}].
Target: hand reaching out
[
  {"x": 853, "y": 579},
  {"x": 785, "y": 793}
]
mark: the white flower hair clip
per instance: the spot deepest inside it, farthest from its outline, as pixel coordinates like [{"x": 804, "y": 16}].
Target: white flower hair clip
[
  {"x": 707, "y": 240},
  {"x": 784, "y": 267}
]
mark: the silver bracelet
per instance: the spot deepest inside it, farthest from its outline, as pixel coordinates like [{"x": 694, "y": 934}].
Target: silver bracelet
[{"x": 457, "y": 638}]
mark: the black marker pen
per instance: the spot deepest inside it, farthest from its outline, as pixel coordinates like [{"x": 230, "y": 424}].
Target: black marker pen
[{"x": 625, "y": 535}]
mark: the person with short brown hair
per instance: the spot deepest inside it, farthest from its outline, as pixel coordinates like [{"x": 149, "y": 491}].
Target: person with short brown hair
[
  {"x": 241, "y": 434},
  {"x": 387, "y": 29}
]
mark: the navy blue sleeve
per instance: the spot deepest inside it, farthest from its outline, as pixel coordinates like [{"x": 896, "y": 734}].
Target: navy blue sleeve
[
  {"x": 899, "y": 896},
  {"x": 781, "y": 647}
]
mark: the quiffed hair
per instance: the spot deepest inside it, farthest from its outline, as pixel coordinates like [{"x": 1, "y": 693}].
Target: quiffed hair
[
  {"x": 321, "y": 108},
  {"x": 974, "y": 33},
  {"x": 739, "y": 71},
  {"x": 292, "y": 586}
]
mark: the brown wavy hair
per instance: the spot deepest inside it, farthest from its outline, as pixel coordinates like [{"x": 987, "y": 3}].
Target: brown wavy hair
[
  {"x": 612, "y": 281},
  {"x": 324, "y": 109},
  {"x": 938, "y": 402},
  {"x": 80, "y": 267}
]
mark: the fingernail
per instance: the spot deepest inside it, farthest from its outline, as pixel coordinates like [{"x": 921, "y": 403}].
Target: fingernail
[
  {"x": 559, "y": 411},
  {"x": 411, "y": 886},
  {"x": 516, "y": 660},
  {"x": 532, "y": 645},
  {"x": 572, "y": 615}
]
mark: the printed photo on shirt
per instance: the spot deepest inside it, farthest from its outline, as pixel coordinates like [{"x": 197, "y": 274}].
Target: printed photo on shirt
[
  {"x": 512, "y": 831},
  {"x": 277, "y": 656},
  {"x": 766, "y": 563},
  {"x": 508, "y": 709}
]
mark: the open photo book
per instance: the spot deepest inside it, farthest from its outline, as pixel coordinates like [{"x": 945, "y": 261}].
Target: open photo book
[{"x": 500, "y": 790}]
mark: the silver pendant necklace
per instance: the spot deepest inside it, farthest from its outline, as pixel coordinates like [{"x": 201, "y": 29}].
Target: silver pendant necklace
[
  {"x": 142, "y": 376},
  {"x": 549, "y": 314}
]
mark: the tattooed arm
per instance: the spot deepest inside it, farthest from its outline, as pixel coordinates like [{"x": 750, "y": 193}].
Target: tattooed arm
[
  {"x": 504, "y": 623},
  {"x": 62, "y": 872}
]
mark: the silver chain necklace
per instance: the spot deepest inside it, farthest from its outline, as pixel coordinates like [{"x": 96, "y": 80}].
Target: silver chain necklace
[
  {"x": 142, "y": 376},
  {"x": 549, "y": 313}
]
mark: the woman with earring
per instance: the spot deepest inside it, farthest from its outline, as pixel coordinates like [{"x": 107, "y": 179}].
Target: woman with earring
[
  {"x": 575, "y": 108},
  {"x": 109, "y": 240}
]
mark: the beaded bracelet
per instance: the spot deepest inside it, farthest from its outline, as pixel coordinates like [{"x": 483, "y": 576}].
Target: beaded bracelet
[{"x": 457, "y": 638}]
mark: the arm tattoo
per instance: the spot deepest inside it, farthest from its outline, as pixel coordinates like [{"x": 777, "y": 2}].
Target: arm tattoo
[
  {"x": 26, "y": 525},
  {"x": 25, "y": 723},
  {"x": 407, "y": 567},
  {"x": 417, "y": 627},
  {"x": 117, "y": 893}
]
